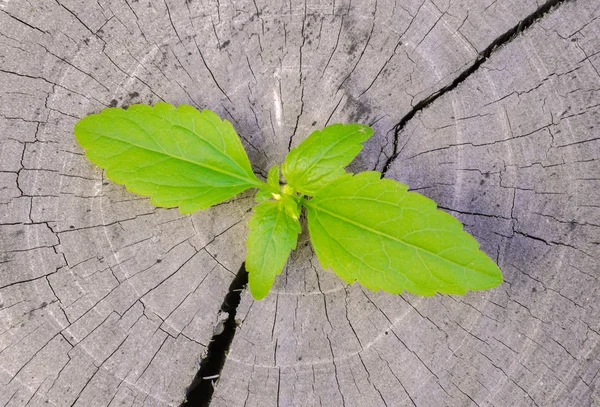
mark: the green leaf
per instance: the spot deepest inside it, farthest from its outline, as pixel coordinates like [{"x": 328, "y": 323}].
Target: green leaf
[
  {"x": 321, "y": 158},
  {"x": 273, "y": 233},
  {"x": 273, "y": 177},
  {"x": 272, "y": 186},
  {"x": 375, "y": 231},
  {"x": 178, "y": 156}
]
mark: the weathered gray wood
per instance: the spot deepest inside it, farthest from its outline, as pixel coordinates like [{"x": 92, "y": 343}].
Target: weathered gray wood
[
  {"x": 108, "y": 301},
  {"x": 513, "y": 152}
]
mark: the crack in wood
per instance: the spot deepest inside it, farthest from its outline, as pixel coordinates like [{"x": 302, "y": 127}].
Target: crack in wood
[
  {"x": 483, "y": 56},
  {"x": 200, "y": 391}
]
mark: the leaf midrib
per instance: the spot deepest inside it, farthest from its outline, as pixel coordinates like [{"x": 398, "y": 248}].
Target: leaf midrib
[
  {"x": 390, "y": 237},
  {"x": 270, "y": 240},
  {"x": 248, "y": 180},
  {"x": 317, "y": 159},
  {"x": 193, "y": 131}
]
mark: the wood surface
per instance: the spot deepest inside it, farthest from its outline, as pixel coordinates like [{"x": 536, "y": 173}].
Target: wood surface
[{"x": 491, "y": 108}]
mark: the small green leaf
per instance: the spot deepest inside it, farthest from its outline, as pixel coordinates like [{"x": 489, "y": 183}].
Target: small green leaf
[
  {"x": 272, "y": 186},
  {"x": 273, "y": 233},
  {"x": 375, "y": 231},
  {"x": 321, "y": 158},
  {"x": 290, "y": 205},
  {"x": 273, "y": 177},
  {"x": 178, "y": 156}
]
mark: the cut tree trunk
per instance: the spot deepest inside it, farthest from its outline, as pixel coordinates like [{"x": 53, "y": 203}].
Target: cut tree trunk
[{"x": 490, "y": 108}]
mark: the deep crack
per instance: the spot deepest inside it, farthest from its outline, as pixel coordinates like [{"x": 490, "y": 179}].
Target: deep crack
[
  {"x": 481, "y": 58},
  {"x": 200, "y": 392}
]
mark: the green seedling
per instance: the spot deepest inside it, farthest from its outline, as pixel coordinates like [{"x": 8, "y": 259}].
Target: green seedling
[{"x": 363, "y": 227}]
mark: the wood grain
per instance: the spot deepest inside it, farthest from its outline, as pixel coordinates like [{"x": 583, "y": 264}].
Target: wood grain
[{"x": 108, "y": 301}]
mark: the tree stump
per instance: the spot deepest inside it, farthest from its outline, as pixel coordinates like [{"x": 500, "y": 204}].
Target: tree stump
[{"x": 490, "y": 108}]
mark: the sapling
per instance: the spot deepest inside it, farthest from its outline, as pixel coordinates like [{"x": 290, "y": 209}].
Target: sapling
[{"x": 363, "y": 227}]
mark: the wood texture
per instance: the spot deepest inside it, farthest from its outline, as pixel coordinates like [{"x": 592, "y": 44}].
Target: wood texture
[{"x": 107, "y": 301}]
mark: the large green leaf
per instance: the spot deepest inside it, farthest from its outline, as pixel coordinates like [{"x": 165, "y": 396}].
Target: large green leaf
[
  {"x": 375, "y": 231},
  {"x": 273, "y": 233},
  {"x": 321, "y": 158},
  {"x": 178, "y": 156}
]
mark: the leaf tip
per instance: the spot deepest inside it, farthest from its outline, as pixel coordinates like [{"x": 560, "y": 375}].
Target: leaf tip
[{"x": 258, "y": 294}]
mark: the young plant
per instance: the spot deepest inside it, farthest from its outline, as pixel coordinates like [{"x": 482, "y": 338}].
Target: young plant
[{"x": 364, "y": 228}]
